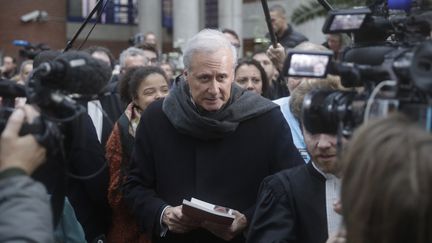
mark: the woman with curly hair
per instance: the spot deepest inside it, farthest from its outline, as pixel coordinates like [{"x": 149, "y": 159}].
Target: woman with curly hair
[{"x": 139, "y": 87}]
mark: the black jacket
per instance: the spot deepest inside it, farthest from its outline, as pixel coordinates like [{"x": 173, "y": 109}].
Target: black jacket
[
  {"x": 113, "y": 108},
  {"x": 291, "y": 208},
  {"x": 84, "y": 156},
  {"x": 290, "y": 38},
  {"x": 168, "y": 166}
]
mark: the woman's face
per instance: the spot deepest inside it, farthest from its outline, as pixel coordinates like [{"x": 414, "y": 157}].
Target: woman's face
[
  {"x": 249, "y": 77},
  {"x": 152, "y": 88},
  {"x": 26, "y": 72}
]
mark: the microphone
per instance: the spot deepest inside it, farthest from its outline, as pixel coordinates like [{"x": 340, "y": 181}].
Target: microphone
[{"x": 74, "y": 72}]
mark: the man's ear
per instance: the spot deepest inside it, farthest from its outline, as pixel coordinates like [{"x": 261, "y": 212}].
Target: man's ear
[{"x": 185, "y": 73}]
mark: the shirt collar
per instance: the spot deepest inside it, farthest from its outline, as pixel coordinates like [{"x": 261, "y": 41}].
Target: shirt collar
[{"x": 327, "y": 176}]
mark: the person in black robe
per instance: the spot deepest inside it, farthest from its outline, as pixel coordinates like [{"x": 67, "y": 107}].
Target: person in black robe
[{"x": 296, "y": 205}]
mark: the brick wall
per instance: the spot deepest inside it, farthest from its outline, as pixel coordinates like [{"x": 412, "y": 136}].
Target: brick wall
[{"x": 51, "y": 32}]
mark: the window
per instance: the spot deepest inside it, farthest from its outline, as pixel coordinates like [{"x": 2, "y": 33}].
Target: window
[
  {"x": 211, "y": 14},
  {"x": 116, "y": 11}
]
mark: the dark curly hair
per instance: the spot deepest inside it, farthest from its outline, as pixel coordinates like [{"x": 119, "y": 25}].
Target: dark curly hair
[{"x": 130, "y": 81}]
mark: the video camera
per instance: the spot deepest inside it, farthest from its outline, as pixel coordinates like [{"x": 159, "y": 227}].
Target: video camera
[
  {"x": 29, "y": 50},
  {"x": 390, "y": 58},
  {"x": 55, "y": 87}
]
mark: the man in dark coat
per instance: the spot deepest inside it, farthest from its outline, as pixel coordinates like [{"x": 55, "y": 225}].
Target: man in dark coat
[
  {"x": 296, "y": 205},
  {"x": 285, "y": 33},
  {"x": 210, "y": 140}
]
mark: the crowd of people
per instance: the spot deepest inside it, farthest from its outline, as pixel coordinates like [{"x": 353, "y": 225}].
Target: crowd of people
[{"x": 227, "y": 131}]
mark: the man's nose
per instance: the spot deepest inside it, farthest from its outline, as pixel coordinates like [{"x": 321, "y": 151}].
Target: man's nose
[
  {"x": 325, "y": 141},
  {"x": 213, "y": 87}
]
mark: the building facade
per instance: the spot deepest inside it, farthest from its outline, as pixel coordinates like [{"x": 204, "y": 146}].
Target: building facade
[{"x": 173, "y": 21}]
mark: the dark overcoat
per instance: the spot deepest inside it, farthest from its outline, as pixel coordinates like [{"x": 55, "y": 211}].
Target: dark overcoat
[
  {"x": 168, "y": 166},
  {"x": 291, "y": 208}
]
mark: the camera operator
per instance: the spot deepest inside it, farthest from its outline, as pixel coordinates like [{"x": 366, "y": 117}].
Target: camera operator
[
  {"x": 25, "y": 212},
  {"x": 84, "y": 157},
  {"x": 296, "y": 205}
]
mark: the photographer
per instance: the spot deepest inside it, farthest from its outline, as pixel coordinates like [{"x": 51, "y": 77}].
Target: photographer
[{"x": 25, "y": 212}]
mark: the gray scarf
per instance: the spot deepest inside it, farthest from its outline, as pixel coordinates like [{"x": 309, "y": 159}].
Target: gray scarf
[{"x": 189, "y": 119}]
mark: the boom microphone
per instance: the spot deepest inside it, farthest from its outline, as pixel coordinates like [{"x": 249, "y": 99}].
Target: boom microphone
[{"x": 74, "y": 72}]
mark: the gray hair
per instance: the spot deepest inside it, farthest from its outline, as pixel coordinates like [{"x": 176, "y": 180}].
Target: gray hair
[
  {"x": 209, "y": 41},
  {"x": 131, "y": 51}
]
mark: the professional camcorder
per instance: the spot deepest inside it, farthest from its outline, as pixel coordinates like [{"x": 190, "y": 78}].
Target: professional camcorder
[
  {"x": 30, "y": 50},
  {"x": 55, "y": 87},
  {"x": 387, "y": 67},
  {"x": 59, "y": 88}
]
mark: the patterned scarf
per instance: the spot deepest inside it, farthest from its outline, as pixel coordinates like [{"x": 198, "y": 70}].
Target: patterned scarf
[{"x": 133, "y": 114}]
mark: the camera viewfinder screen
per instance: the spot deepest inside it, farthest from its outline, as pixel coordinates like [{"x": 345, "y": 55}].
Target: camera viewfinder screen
[
  {"x": 308, "y": 65},
  {"x": 347, "y": 22}
]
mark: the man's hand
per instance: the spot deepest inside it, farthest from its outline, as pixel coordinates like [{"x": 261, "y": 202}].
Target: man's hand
[
  {"x": 177, "y": 222},
  {"x": 227, "y": 232},
  {"x": 20, "y": 152},
  {"x": 277, "y": 55},
  {"x": 337, "y": 207}
]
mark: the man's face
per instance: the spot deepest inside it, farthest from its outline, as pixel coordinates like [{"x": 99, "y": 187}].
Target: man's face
[
  {"x": 210, "y": 77},
  {"x": 278, "y": 22},
  {"x": 168, "y": 70},
  {"x": 8, "y": 64},
  {"x": 151, "y": 57},
  {"x": 266, "y": 63},
  {"x": 100, "y": 55},
  {"x": 322, "y": 149},
  {"x": 151, "y": 40},
  {"x": 134, "y": 61}
]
